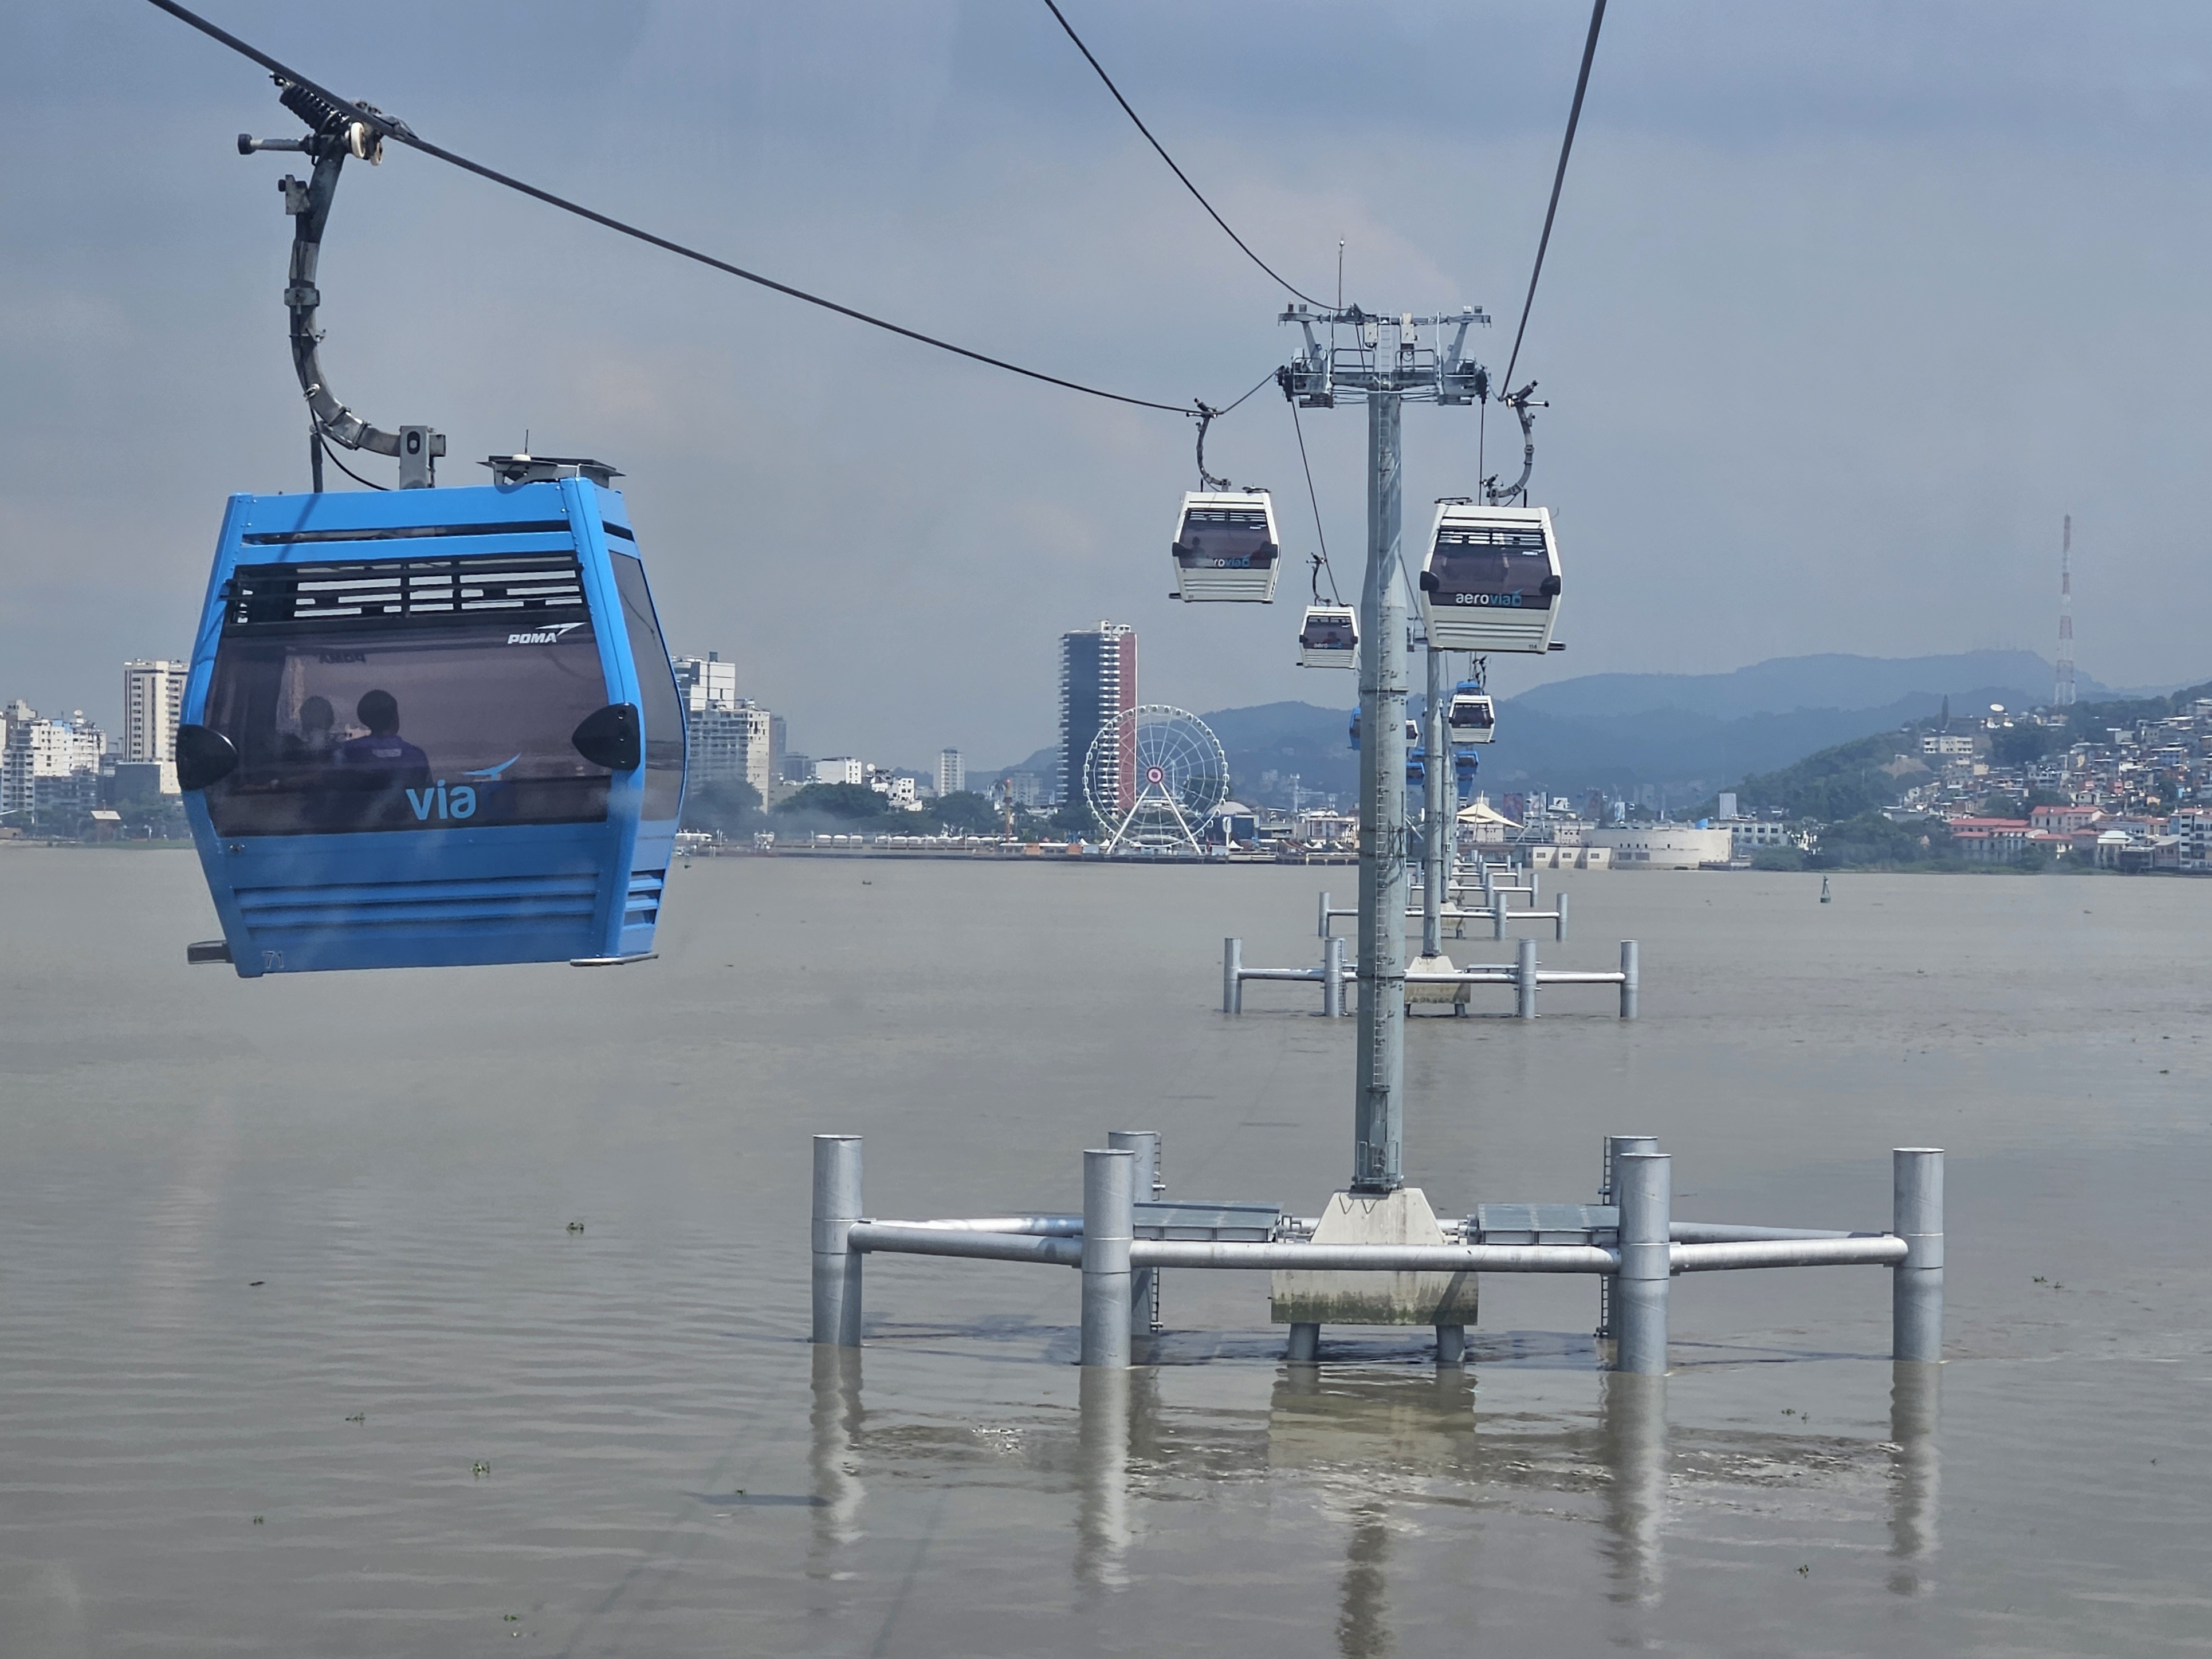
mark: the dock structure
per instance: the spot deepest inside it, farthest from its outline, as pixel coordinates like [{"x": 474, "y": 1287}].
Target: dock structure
[
  {"x": 1633, "y": 1245},
  {"x": 1497, "y": 913},
  {"x": 1452, "y": 985}
]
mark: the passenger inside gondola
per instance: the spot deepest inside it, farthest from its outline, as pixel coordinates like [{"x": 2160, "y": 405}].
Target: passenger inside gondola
[
  {"x": 1329, "y": 633},
  {"x": 316, "y": 742},
  {"x": 383, "y": 758},
  {"x": 376, "y": 770}
]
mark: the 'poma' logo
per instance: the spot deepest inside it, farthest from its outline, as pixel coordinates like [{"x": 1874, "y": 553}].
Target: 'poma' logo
[{"x": 542, "y": 635}]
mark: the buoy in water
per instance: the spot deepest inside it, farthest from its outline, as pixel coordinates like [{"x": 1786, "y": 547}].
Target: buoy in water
[{"x": 1824, "y": 889}]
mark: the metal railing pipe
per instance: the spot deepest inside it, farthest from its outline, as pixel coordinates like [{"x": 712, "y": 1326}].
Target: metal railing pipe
[
  {"x": 1916, "y": 1290},
  {"x": 1729, "y": 1232},
  {"x": 836, "y": 1263},
  {"x": 1040, "y": 1226},
  {"x": 1644, "y": 1187},
  {"x": 1377, "y": 1258},
  {"x": 1881, "y": 1251},
  {"x": 1108, "y": 1219},
  {"x": 908, "y": 1238}
]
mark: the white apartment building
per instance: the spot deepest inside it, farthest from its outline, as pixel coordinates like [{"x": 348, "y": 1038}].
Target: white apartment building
[
  {"x": 1749, "y": 835},
  {"x": 153, "y": 704},
  {"x": 1664, "y": 846},
  {"x": 50, "y": 763},
  {"x": 707, "y": 681},
  {"x": 951, "y": 773},
  {"x": 733, "y": 744},
  {"x": 732, "y": 739},
  {"x": 840, "y": 769}
]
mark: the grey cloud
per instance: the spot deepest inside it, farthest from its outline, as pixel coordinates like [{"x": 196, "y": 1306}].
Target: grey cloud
[{"x": 1846, "y": 305}]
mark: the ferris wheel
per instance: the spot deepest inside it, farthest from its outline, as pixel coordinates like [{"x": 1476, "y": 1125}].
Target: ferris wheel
[{"x": 1154, "y": 776}]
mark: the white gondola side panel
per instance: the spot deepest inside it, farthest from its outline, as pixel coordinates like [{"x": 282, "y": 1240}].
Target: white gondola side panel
[
  {"x": 1491, "y": 581},
  {"x": 1226, "y": 546},
  {"x": 1330, "y": 637}
]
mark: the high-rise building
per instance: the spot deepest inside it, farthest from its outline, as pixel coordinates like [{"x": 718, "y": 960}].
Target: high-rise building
[
  {"x": 732, "y": 739},
  {"x": 707, "y": 681},
  {"x": 952, "y": 774},
  {"x": 152, "y": 703},
  {"x": 733, "y": 744},
  {"x": 1097, "y": 682}
]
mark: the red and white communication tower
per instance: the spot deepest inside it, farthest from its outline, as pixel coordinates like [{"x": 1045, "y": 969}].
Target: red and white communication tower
[{"x": 2062, "y": 695}]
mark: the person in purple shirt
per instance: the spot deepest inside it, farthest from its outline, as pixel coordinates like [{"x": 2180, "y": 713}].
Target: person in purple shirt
[{"x": 382, "y": 763}]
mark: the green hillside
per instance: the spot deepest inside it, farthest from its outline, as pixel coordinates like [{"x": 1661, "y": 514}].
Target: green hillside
[{"x": 1852, "y": 778}]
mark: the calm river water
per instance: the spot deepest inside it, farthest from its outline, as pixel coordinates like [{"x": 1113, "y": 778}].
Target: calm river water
[{"x": 299, "y": 1353}]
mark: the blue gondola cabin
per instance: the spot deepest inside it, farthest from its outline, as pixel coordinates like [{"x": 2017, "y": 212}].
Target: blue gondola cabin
[{"x": 432, "y": 727}]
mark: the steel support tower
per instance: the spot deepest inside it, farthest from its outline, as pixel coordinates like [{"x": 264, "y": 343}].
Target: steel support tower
[
  {"x": 1353, "y": 356},
  {"x": 2062, "y": 695}
]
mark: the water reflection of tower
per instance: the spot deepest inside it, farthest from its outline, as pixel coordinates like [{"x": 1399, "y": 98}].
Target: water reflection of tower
[
  {"x": 1915, "y": 1400},
  {"x": 1097, "y": 682},
  {"x": 1632, "y": 1446},
  {"x": 836, "y": 1419}
]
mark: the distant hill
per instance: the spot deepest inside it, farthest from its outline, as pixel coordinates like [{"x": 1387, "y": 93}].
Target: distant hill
[
  {"x": 1784, "y": 685},
  {"x": 1871, "y": 772},
  {"x": 1685, "y": 735}
]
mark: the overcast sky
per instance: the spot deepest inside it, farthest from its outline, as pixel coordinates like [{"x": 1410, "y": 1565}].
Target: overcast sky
[{"x": 1846, "y": 305}]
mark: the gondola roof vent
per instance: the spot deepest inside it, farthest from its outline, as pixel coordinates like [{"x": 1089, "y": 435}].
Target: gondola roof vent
[{"x": 543, "y": 469}]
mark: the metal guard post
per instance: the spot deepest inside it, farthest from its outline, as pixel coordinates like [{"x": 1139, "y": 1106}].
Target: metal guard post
[
  {"x": 1108, "y": 1221},
  {"x": 1643, "y": 1188},
  {"x": 1916, "y": 1290},
  {"x": 836, "y": 1264}
]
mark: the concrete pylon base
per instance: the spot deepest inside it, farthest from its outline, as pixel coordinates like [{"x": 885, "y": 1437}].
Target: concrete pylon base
[
  {"x": 1439, "y": 964},
  {"x": 1369, "y": 1298}
]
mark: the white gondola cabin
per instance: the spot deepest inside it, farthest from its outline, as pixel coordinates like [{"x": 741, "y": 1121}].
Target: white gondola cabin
[
  {"x": 1491, "y": 581},
  {"x": 1226, "y": 546},
  {"x": 1330, "y": 637},
  {"x": 1472, "y": 717}
]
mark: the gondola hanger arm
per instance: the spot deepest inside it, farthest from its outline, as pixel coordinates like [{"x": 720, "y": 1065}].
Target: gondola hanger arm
[
  {"x": 1204, "y": 415},
  {"x": 1521, "y": 403}
]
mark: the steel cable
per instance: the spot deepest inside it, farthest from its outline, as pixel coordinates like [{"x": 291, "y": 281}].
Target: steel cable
[
  {"x": 1196, "y": 193},
  {"x": 399, "y": 132},
  {"x": 1566, "y": 145}
]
